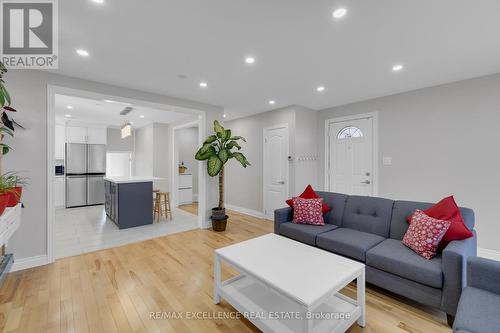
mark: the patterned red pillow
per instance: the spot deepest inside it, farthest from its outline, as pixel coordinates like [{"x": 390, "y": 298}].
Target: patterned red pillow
[
  {"x": 309, "y": 193},
  {"x": 425, "y": 233},
  {"x": 308, "y": 211}
]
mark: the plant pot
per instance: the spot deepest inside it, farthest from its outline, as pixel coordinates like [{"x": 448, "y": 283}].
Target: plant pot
[
  {"x": 4, "y": 200},
  {"x": 218, "y": 213},
  {"x": 219, "y": 224},
  {"x": 14, "y": 196},
  {"x": 182, "y": 169}
]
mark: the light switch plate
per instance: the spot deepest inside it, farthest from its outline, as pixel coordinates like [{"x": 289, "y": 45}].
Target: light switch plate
[{"x": 387, "y": 161}]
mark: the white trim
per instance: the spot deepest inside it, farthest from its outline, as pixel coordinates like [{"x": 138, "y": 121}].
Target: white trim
[
  {"x": 52, "y": 90},
  {"x": 30, "y": 262},
  {"x": 487, "y": 253},
  {"x": 251, "y": 212},
  {"x": 287, "y": 180},
  {"x": 374, "y": 117}
]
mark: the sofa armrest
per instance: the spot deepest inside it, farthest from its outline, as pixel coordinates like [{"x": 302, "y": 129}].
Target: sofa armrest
[
  {"x": 484, "y": 274},
  {"x": 282, "y": 215},
  {"x": 455, "y": 271}
]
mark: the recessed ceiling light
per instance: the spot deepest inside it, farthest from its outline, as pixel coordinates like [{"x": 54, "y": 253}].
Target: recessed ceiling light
[
  {"x": 397, "y": 68},
  {"x": 67, "y": 115},
  {"x": 250, "y": 60},
  {"x": 320, "y": 89},
  {"x": 224, "y": 115},
  {"x": 272, "y": 102},
  {"x": 98, "y": 1},
  {"x": 82, "y": 52},
  {"x": 339, "y": 13},
  {"x": 115, "y": 102},
  {"x": 69, "y": 107},
  {"x": 203, "y": 84},
  {"x": 141, "y": 116}
]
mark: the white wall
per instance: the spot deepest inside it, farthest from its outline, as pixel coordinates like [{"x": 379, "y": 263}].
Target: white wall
[
  {"x": 187, "y": 143},
  {"x": 28, "y": 89},
  {"x": 306, "y": 149},
  {"x": 144, "y": 150},
  {"x": 162, "y": 156},
  {"x": 443, "y": 140},
  {"x": 116, "y": 143}
]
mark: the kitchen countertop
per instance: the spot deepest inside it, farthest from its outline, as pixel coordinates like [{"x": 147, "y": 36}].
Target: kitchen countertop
[{"x": 132, "y": 179}]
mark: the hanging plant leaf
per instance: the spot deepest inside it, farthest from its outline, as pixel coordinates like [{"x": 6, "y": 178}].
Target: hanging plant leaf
[
  {"x": 218, "y": 127},
  {"x": 238, "y": 138},
  {"x": 205, "y": 155},
  {"x": 5, "y": 148},
  {"x": 233, "y": 144},
  {"x": 214, "y": 165},
  {"x": 18, "y": 125},
  {"x": 211, "y": 139},
  {"x": 242, "y": 159},
  {"x": 8, "y": 108},
  {"x": 226, "y": 134},
  {"x": 6, "y": 121},
  {"x": 6, "y": 94},
  {"x": 5, "y": 130},
  {"x": 224, "y": 155}
]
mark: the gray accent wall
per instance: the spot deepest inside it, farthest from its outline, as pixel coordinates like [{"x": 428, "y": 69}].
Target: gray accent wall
[{"x": 443, "y": 140}]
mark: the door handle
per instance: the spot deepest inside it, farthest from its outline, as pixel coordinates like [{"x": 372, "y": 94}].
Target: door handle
[
  {"x": 281, "y": 182},
  {"x": 367, "y": 182}
]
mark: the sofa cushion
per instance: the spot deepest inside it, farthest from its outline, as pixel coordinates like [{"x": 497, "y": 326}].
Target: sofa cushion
[
  {"x": 304, "y": 233},
  {"x": 403, "y": 209},
  {"x": 336, "y": 201},
  {"x": 368, "y": 214},
  {"x": 309, "y": 193},
  {"x": 308, "y": 211},
  {"x": 348, "y": 242},
  {"x": 478, "y": 311},
  {"x": 394, "y": 257}
]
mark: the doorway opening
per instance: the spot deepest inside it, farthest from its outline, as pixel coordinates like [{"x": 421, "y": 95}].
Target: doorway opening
[{"x": 351, "y": 155}]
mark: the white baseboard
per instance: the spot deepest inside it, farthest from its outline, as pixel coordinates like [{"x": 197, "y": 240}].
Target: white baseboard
[
  {"x": 247, "y": 211},
  {"x": 25, "y": 263},
  {"x": 487, "y": 253}
]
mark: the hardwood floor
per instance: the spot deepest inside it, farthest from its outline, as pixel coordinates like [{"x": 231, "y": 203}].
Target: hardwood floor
[
  {"x": 115, "y": 290},
  {"x": 190, "y": 208}
]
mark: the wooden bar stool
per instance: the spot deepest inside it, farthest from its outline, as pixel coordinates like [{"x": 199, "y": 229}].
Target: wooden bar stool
[{"x": 162, "y": 206}]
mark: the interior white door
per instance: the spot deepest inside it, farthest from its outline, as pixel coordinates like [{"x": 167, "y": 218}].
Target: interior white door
[
  {"x": 276, "y": 186},
  {"x": 350, "y": 167}
]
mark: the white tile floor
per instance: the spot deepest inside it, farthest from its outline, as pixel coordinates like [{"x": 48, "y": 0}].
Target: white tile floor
[{"x": 87, "y": 229}]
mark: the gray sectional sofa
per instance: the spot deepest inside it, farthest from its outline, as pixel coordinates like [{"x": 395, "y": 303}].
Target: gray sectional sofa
[
  {"x": 479, "y": 307},
  {"x": 370, "y": 230}
]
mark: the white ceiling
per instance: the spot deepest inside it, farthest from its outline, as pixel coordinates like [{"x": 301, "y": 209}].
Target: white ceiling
[
  {"x": 297, "y": 45},
  {"x": 100, "y": 112}
]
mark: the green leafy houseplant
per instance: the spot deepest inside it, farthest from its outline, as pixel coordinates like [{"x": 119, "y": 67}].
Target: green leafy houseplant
[
  {"x": 217, "y": 149},
  {"x": 5, "y": 105}
]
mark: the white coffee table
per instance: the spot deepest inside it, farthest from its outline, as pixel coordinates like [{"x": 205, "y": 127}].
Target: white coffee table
[{"x": 287, "y": 286}]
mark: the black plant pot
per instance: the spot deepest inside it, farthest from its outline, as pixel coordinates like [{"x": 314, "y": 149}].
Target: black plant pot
[{"x": 219, "y": 219}]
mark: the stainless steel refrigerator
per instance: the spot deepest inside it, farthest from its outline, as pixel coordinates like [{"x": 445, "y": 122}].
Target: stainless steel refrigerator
[{"x": 85, "y": 171}]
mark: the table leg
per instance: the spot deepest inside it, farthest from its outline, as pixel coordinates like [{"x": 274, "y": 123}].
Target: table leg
[
  {"x": 361, "y": 297},
  {"x": 217, "y": 279}
]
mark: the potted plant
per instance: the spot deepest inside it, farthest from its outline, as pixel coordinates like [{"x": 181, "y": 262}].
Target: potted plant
[
  {"x": 7, "y": 123},
  {"x": 11, "y": 185},
  {"x": 217, "y": 149}
]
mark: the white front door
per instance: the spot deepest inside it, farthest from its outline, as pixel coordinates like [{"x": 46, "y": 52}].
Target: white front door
[
  {"x": 275, "y": 169},
  {"x": 350, "y": 167}
]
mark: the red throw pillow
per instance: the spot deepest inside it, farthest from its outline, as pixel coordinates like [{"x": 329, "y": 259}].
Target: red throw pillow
[
  {"x": 310, "y": 194},
  {"x": 448, "y": 210},
  {"x": 308, "y": 211},
  {"x": 425, "y": 233}
]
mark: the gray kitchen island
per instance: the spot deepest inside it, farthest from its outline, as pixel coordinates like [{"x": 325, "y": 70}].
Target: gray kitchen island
[{"x": 129, "y": 200}]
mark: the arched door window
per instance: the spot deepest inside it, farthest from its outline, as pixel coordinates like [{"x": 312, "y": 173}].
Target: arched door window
[{"x": 349, "y": 132}]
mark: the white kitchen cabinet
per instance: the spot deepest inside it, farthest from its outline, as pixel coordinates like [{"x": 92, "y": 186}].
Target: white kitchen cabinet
[
  {"x": 90, "y": 135},
  {"x": 60, "y": 140},
  {"x": 59, "y": 192},
  {"x": 76, "y": 134},
  {"x": 97, "y": 135},
  {"x": 185, "y": 188}
]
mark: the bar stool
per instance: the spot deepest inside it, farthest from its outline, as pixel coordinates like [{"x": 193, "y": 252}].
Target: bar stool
[{"x": 162, "y": 206}]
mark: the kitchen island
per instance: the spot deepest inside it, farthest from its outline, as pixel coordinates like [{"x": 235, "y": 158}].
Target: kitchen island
[{"x": 129, "y": 200}]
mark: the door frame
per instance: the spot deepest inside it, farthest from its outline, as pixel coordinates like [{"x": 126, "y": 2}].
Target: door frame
[
  {"x": 375, "y": 150},
  {"x": 264, "y": 173},
  {"x": 52, "y": 91}
]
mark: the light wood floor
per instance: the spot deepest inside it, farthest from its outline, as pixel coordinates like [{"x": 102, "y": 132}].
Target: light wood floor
[
  {"x": 190, "y": 208},
  {"x": 115, "y": 290}
]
